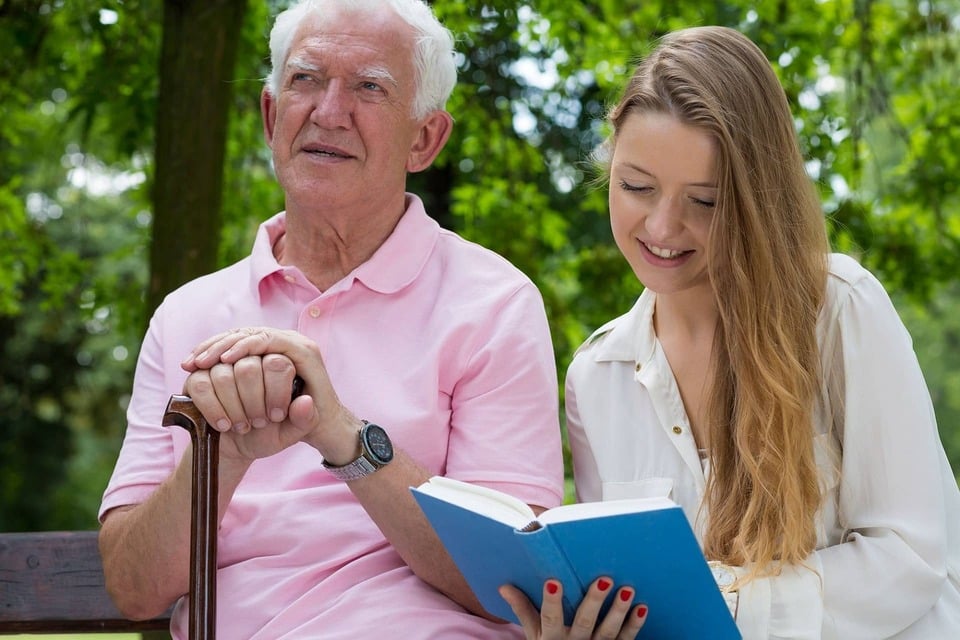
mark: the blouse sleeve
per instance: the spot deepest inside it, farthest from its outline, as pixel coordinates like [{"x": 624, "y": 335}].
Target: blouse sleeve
[
  {"x": 890, "y": 564},
  {"x": 585, "y": 470}
]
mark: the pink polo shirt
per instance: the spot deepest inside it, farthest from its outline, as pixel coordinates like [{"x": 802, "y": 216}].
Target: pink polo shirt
[{"x": 439, "y": 340}]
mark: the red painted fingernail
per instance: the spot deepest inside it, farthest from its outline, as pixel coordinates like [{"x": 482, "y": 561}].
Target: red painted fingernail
[
  {"x": 552, "y": 587},
  {"x": 626, "y": 594},
  {"x": 642, "y": 611},
  {"x": 603, "y": 584}
]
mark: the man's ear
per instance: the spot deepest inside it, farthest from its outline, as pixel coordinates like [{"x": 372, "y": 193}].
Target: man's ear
[
  {"x": 434, "y": 132},
  {"x": 268, "y": 113}
]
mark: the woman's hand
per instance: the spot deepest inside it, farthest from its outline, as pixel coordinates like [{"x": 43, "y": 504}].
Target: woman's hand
[{"x": 621, "y": 622}]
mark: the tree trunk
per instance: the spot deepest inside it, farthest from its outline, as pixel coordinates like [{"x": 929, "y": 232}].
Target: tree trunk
[{"x": 200, "y": 39}]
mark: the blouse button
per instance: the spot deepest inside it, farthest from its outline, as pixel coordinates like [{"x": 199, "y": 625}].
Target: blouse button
[
  {"x": 677, "y": 429},
  {"x": 314, "y": 312},
  {"x": 289, "y": 278},
  {"x": 637, "y": 369}
]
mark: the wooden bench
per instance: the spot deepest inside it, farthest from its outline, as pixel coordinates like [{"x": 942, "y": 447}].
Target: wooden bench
[{"x": 52, "y": 582}]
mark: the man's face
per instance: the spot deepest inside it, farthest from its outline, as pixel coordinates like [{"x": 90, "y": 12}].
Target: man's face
[{"x": 341, "y": 128}]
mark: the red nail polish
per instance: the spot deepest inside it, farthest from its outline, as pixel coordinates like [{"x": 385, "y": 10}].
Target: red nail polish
[
  {"x": 552, "y": 587},
  {"x": 642, "y": 611},
  {"x": 603, "y": 584},
  {"x": 626, "y": 594}
]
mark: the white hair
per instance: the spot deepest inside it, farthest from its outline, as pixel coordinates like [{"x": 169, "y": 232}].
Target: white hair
[{"x": 433, "y": 53}]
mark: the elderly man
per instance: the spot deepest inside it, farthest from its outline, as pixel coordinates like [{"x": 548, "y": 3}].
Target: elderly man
[{"x": 421, "y": 353}]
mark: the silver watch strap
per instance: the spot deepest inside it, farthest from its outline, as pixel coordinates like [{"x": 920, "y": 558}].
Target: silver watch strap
[{"x": 357, "y": 469}]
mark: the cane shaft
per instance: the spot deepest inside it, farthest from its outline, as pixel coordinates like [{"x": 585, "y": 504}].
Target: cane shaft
[
  {"x": 203, "y": 536},
  {"x": 204, "y": 520},
  {"x": 203, "y": 516}
]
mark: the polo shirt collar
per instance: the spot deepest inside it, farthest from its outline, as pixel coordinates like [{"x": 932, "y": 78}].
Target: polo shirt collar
[
  {"x": 263, "y": 263},
  {"x": 403, "y": 255},
  {"x": 397, "y": 262}
]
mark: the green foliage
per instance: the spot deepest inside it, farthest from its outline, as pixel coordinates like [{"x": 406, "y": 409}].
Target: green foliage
[
  {"x": 877, "y": 108},
  {"x": 18, "y": 259},
  {"x": 72, "y": 238},
  {"x": 873, "y": 87},
  {"x": 250, "y": 192},
  {"x": 66, "y": 366},
  {"x": 935, "y": 327},
  {"x": 900, "y": 143}
]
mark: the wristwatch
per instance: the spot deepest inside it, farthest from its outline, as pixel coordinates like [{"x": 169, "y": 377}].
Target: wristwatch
[
  {"x": 726, "y": 579},
  {"x": 376, "y": 452}
]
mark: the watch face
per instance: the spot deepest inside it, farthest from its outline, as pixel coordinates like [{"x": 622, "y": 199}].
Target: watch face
[
  {"x": 724, "y": 576},
  {"x": 378, "y": 443}
]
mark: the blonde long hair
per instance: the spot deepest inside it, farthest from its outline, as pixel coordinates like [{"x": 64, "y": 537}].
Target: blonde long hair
[{"x": 768, "y": 248}]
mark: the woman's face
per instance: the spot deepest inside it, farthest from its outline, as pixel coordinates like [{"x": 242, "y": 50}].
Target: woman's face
[{"x": 663, "y": 187}]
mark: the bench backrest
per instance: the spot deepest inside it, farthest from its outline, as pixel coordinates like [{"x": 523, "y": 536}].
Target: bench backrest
[{"x": 52, "y": 582}]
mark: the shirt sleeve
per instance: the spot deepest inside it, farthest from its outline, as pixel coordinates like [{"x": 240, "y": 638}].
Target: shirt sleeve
[
  {"x": 891, "y": 563},
  {"x": 505, "y": 407},
  {"x": 148, "y": 454},
  {"x": 585, "y": 470}
]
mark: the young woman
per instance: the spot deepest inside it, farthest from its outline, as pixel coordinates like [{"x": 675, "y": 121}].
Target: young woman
[{"x": 766, "y": 385}]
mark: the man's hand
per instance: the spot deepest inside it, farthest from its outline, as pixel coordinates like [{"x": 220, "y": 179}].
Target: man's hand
[
  {"x": 241, "y": 381},
  {"x": 241, "y": 401}
]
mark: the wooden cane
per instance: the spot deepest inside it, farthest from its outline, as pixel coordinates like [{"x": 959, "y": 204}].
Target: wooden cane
[
  {"x": 203, "y": 515},
  {"x": 203, "y": 510}
]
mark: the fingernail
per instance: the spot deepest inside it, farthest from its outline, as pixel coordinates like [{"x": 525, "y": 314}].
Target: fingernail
[
  {"x": 642, "y": 611},
  {"x": 626, "y": 594},
  {"x": 223, "y": 424},
  {"x": 552, "y": 587},
  {"x": 603, "y": 584},
  {"x": 276, "y": 415},
  {"x": 259, "y": 423}
]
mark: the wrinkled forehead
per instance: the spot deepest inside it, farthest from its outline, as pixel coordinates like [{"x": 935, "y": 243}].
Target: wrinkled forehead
[
  {"x": 379, "y": 40},
  {"x": 365, "y": 28}
]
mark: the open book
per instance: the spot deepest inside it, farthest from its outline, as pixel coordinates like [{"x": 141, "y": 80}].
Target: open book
[{"x": 645, "y": 543}]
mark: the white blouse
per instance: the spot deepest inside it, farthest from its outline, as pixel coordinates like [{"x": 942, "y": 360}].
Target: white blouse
[{"x": 887, "y": 563}]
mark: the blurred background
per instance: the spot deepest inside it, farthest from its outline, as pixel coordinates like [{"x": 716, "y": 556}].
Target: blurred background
[{"x": 132, "y": 159}]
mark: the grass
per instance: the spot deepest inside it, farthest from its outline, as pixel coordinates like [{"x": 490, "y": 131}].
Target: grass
[{"x": 78, "y": 636}]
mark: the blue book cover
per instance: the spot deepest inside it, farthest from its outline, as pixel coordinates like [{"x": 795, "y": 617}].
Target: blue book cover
[{"x": 647, "y": 544}]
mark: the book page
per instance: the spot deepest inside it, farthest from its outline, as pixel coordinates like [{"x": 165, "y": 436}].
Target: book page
[
  {"x": 489, "y": 502},
  {"x": 585, "y": 510}
]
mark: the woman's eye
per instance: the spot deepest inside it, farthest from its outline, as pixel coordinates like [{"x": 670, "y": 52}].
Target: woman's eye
[
  {"x": 626, "y": 186},
  {"x": 707, "y": 204}
]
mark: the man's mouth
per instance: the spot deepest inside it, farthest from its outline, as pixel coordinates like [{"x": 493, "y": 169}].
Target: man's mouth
[{"x": 327, "y": 152}]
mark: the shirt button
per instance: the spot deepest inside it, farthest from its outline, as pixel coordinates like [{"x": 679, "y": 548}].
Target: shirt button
[
  {"x": 637, "y": 367},
  {"x": 289, "y": 278},
  {"x": 314, "y": 312},
  {"x": 677, "y": 429}
]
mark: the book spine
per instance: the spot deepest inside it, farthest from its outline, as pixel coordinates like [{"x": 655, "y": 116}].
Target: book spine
[{"x": 551, "y": 562}]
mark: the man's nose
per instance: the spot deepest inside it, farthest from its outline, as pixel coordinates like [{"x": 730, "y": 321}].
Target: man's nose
[{"x": 333, "y": 107}]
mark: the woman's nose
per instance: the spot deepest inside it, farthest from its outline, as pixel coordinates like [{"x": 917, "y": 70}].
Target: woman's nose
[{"x": 665, "y": 218}]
